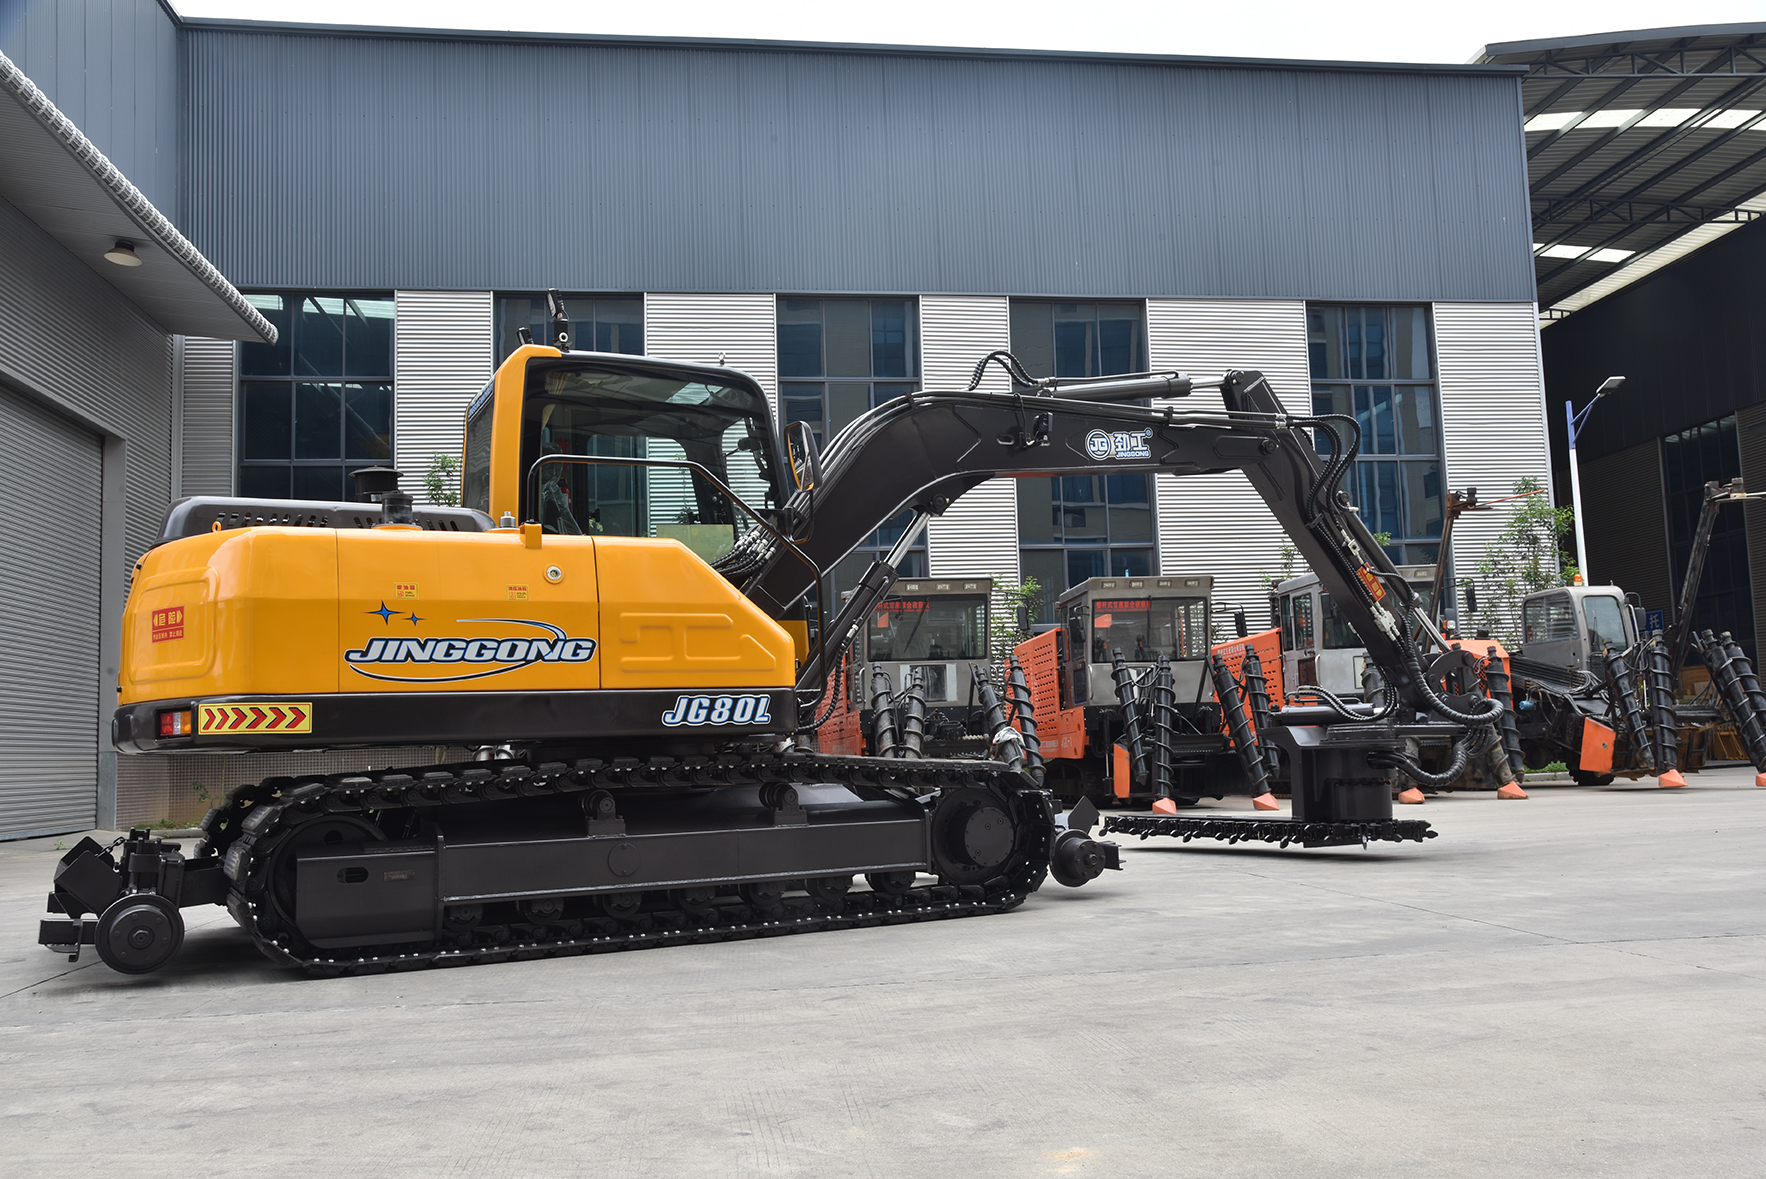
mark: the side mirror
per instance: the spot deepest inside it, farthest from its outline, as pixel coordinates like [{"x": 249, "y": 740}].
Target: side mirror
[
  {"x": 1240, "y": 625},
  {"x": 1471, "y": 600},
  {"x": 1023, "y": 618},
  {"x": 805, "y": 456}
]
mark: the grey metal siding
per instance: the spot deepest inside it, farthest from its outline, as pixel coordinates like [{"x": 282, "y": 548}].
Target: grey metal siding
[
  {"x": 112, "y": 67},
  {"x": 1217, "y": 525},
  {"x": 1493, "y": 428},
  {"x": 472, "y": 164},
  {"x": 978, "y": 536},
  {"x": 207, "y": 451},
  {"x": 442, "y": 358},
  {"x": 1626, "y": 530},
  {"x": 51, "y": 472}
]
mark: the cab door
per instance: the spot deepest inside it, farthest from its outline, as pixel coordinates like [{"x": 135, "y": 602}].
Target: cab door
[{"x": 1550, "y": 630}]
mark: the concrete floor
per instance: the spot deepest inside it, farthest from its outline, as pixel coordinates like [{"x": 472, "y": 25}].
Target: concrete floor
[{"x": 1573, "y": 985}]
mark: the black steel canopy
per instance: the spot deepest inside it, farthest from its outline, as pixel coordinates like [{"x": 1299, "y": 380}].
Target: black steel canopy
[{"x": 1633, "y": 140}]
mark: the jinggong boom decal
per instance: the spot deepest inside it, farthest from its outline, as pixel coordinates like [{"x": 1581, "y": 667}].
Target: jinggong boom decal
[{"x": 466, "y": 658}]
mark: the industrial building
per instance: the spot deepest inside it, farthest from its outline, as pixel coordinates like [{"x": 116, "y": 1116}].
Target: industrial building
[{"x": 845, "y": 222}]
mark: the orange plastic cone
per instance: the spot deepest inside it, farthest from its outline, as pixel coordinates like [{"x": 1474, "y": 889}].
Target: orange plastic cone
[
  {"x": 1760, "y": 779},
  {"x": 1511, "y": 790},
  {"x": 1164, "y": 806},
  {"x": 1412, "y": 797},
  {"x": 1670, "y": 780},
  {"x": 1265, "y": 802}
]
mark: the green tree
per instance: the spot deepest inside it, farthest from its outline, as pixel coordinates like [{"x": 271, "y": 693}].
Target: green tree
[
  {"x": 1522, "y": 559},
  {"x": 1006, "y": 631},
  {"x": 440, "y": 482}
]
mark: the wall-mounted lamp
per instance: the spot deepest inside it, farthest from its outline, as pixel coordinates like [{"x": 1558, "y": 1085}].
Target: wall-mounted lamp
[{"x": 123, "y": 254}]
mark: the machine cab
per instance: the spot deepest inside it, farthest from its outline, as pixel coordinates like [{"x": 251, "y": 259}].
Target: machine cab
[
  {"x": 1573, "y": 627},
  {"x": 1144, "y": 618},
  {"x": 938, "y": 626},
  {"x": 1318, "y": 644}
]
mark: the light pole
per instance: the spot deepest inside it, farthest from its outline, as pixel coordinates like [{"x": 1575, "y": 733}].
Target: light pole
[{"x": 1610, "y": 385}]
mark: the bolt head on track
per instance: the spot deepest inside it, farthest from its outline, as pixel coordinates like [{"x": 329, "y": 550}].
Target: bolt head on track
[{"x": 139, "y": 933}]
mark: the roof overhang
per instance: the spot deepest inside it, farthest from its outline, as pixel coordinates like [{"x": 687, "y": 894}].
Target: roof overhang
[
  {"x": 1641, "y": 147},
  {"x": 55, "y": 176}
]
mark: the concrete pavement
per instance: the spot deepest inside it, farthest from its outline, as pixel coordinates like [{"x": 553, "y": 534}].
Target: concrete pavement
[{"x": 1572, "y": 985}]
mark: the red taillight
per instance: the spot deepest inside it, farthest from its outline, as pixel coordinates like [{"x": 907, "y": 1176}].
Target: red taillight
[{"x": 175, "y": 723}]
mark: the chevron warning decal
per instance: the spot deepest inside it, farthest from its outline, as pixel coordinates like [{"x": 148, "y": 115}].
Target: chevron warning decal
[{"x": 248, "y": 716}]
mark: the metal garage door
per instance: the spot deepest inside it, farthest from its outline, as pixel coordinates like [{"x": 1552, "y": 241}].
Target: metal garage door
[{"x": 50, "y": 479}]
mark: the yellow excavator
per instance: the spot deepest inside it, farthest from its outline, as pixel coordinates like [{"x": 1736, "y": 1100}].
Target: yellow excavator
[{"x": 631, "y": 621}]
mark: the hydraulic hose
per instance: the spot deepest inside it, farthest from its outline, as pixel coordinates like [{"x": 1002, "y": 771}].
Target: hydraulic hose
[{"x": 1462, "y": 753}]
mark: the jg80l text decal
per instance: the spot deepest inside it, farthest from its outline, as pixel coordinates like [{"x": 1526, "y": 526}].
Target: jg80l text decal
[{"x": 719, "y": 710}]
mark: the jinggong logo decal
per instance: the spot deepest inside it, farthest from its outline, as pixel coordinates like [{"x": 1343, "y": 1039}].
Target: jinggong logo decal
[{"x": 465, "y": 658}]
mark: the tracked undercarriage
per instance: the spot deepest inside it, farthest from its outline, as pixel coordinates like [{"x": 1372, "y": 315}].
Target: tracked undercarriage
[{"x": 447, "y": 865}]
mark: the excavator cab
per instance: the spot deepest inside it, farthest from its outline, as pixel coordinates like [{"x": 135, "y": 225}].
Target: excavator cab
[{"x": 1319, "y": 646}]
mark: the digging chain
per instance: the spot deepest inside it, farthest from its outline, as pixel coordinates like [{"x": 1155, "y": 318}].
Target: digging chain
[{"x": 1281, "y": 832}]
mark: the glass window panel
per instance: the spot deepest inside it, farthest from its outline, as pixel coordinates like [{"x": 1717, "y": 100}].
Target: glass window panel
[
  {"x": 800, "y": 347},
  {"x": 1386, "y": 476},
  {"x": 1422, "y": 500},
  {"x": 318, "y": 421},
  {"x": 1131, "y": 562},
  {"x": 1385, "y": 436},
  {"x": 1039, "y": 521},
  {"x": 1364, "y": 418},
  {"x": 264, "y": 428},
  {"x": 1373, "y": 343},
  {"x": 1129, "y": 488},
  {"x": 268, "y": 360},
  {"x": 800, "y": 409},
  {"x": 1410, "y": 344},
  {"x": 1352, "y": 361},
  {"x": 893, "y": 343},
  {"x": 1330, "y": 399},
  {"x": 318, "y": 337},
  {"x": 846, "y": 324},
  {"x": 1076, "y": 342},
  {"x": 846, "y": 401},
  {"x": 1084, "y": 563},
  {"x": 1033, "y": 337},
  {"x": 263, "y": 482},
  {"x": 1049, "y": 568},
  {"x": 319, "y": 483},
  {"x": 1080, "y": 489},
  {"x": 367, "y": 330},
  {"x": 367, "y": 421},
  {"x": 619, "y": 326},
  {"x": 1119, "y": 342},
  {"x": 1131, "y": 523},
  {"x": 889, "y": 392},
  {"x": 1423, "y": 554},
  {"x": 1324, "y": 342},
  {"x": 1416, "y": 420}
]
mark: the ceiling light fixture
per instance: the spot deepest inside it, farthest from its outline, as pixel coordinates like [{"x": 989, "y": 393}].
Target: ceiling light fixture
[{"x": 123, "y": 254}]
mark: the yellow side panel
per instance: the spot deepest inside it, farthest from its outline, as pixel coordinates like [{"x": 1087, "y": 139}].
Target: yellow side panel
[
  {"x": 249, "y": 610},
  {"x": 671, "y": 621},
  {"x": 469, "y": 612}
]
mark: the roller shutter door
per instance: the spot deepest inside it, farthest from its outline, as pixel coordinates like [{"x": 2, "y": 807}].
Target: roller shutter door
[{"x": 50, "y": 479}]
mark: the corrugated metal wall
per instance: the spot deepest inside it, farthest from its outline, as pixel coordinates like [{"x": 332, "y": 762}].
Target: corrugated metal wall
[
  {"x": 208, "y": 417},
  {"x": 427, "y": 163},
  {"x": 1624, "y": 525},
  {"x": 1751, "y": 430},
  {"x": 1217, "y": 524},
  {"x": 442, "y": 358},
  {"x": 112, "y": 67},
  {"x": 51, "y": 475},
  {"x": 68, "y": 340},
  {"x": 978, "y": 536},
  {"x": 1492, "y": 412}
]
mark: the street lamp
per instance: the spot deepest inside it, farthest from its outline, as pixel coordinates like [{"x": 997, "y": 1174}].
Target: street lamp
[{"x": 1610, "y": 385}]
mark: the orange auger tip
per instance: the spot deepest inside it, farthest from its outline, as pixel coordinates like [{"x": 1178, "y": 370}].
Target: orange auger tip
[
  {"x": 1164, "y": 806},
  {"x": 1511, "y": 790},
  {"x": 1265, "y": 802},
  {"x": 1411, "y": 797},
  {"x": 1672, "y": 778}
]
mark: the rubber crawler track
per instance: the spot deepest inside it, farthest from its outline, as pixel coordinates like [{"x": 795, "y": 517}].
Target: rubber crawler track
[{"x": 244, "y": 832}]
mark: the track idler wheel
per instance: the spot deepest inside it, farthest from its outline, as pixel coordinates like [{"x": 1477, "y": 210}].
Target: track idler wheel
[
  {"x": 139, "y": 933},
  {"x": 973, "y": 835}
]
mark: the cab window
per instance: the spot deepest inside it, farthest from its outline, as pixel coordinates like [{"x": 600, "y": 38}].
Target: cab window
[{"x": 1606, "y": 623}]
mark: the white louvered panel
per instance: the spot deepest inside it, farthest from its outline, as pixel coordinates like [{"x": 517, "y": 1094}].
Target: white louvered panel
[
  {"x": 1217, "y": 524},
  {"x": 208, "y": 416},
  {"x": 978, "y": 536},
  {"x": 738, "y": 331},
  {"x": 442, "y": 358},
  {"x": 1492, "y": 413}
]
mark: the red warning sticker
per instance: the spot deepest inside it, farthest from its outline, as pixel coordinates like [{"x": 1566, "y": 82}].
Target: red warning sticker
[{"x": 168, "y": 624}]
